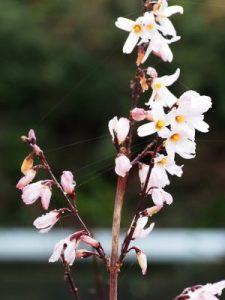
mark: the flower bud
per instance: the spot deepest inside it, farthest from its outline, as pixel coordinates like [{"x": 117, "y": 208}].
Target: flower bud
[
  {"x": 67, "y": 182},
  {"x": 119, "y": 129},
  {"x": 89, "y": 241},
  {"x": 138, "y": 114},
  {"x": 142, "y": 260},
  {"x": 123, "y": 165}
]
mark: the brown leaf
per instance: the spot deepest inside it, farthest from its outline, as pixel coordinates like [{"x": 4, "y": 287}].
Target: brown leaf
[{"x": 27, "y": 164}]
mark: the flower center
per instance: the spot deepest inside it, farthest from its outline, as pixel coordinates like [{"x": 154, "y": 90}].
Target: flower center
[
  {"x": 137, "y": 28},
  {"x": 157, "y": 86},
  {"x": 150, "y": 26},
  {"x": 163, "y": 161},
  {"x": 160, "y": 124},
  {"x": 180, "y": 119},
  {"x": 175, "y": 137}
]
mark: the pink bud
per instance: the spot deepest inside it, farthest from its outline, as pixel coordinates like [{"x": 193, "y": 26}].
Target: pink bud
[
  {"x": 142, "y": 260},
  {"x": 47, "y": 221},
  {"x": 67, "y": 182},
  {"x": 32, "y": 136},
  {"x": 123, "y": 165},
  {"x": 25, "y": 180},
  {"x": 90, "y": 241},
  {"x": 138, "y": 114}
]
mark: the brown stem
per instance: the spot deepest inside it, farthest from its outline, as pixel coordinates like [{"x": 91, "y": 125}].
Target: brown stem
[
  {"x": 114, "y": 267},
  {"x": 69, "y": 280},
  {"x": 72, "y": 208}
]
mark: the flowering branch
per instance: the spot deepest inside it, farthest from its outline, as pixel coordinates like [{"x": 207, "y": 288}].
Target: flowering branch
[{"x": 170, "y": 120}]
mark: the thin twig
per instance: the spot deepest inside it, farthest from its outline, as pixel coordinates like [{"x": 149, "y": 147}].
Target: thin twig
[{"x": 69, "y": 280}]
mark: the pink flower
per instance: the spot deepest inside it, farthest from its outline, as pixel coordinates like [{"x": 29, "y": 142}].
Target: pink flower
[
  {"x": 65, "y": 248},
  {"x": 33, "y": 191},
  {"x": 123, "y": 165},
  {"x": 142, "y": 261},
  {"x": 89, "y": 241},
  {"x": 25, "y": 180},
  {"x": 67, "y": 182},
  {"x": 138, "y": 114},
  {"x": 47, "y": 221}
]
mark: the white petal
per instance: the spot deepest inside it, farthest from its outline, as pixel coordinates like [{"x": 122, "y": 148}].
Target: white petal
[
  {"x": 130, "y": 43},
  {"x": 200, "y": 125},
  {"x": 167, "y": 27},
  {"x": 124, "y": 24},
  {"x": 174, "y": 9},
  {"x": 123, "y": 127},
  {"x": 170, "y": 79},
  {"x": 146, "y": 129}
]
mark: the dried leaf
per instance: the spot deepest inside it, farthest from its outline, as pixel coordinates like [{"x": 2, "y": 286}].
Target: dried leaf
[{"x": 27, "y": 164}]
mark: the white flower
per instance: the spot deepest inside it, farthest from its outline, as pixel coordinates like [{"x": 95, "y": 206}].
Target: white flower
[
  {"x": 150, "y": 27},
  {"x": 33, "y": 191},
  {"x": 47, "y": 221},
  {"x": 119, "y": 129},
  {"x": 142, "y": 261},
  {"x": 67, "y": 248},
  {"x": 122, "y": 165},
  {"x": 136, "y": 30},
  {"x": 68, "y": 182},
  {"x": 160, "y": 92},
  {"x": 139, "y": 231},
  {"x": 199, "y": 104},
  {"x": 188, "y": 115},
  {"x": 159, "y": 197},
  {"x": 154, "y": 181},
  {"x": 160, "y": 47},
  {"x": 164, "y": 163},
  {"x": 179, "y": 142},
  {"x": 162, "y": 12},
  {"x": 205, "y": 292},
  {"x": 160, "y": 121}
]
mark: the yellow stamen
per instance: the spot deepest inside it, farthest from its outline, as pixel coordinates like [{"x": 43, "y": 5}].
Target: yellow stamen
[
  {"x": 160, "y": 124},
  {"x": 150, "y": 26},
  {"x": 163, "y": 161},
  {"x": 180, "y": 119},
  {"x": 137, "y": 28},
  {"x": 175, "y": 137},
  {"x": 157, "y": 86}
]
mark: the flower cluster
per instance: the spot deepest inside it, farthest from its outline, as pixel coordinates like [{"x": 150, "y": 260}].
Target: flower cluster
[
  {"x": 66, "y": 249},
  {"x": 153, "y": 31},
  {"x": 169, "y": 121}
]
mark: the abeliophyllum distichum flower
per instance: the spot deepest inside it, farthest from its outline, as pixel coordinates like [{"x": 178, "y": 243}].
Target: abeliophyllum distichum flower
[{"x": 168, "y": 120}]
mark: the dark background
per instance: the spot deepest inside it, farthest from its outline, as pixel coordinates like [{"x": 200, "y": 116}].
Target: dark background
[{"x": 62, "y": 72}]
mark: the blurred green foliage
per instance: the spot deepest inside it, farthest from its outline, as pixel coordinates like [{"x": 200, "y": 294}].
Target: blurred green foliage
[{"x": 63, "y": 73}]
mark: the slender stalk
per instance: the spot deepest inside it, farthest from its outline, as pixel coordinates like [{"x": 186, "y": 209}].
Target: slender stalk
[
  {"x": 69, "y": 280},
  {"x": 114, "y": 267}
]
